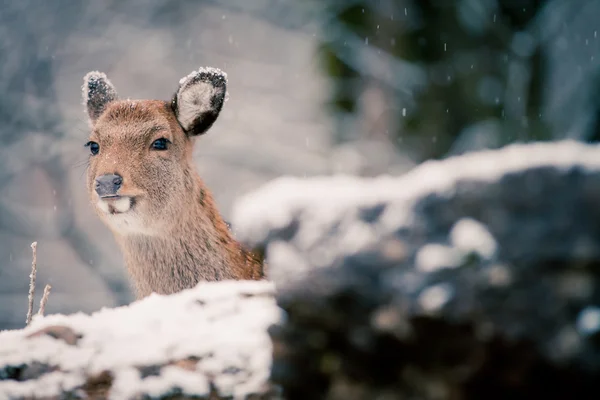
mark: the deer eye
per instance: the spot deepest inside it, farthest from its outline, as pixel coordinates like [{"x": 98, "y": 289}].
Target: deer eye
[
  {"x": 94, "y": 147},
  {"x": 160, "y": 144}
]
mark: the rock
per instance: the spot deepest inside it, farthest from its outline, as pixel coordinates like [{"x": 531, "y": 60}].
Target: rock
[
  {"x": 469, "y": 278},
  {"x": 209, "y": 342}
]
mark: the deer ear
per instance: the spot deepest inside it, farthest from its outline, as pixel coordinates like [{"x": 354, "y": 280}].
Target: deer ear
[
  {"x": 199, "y": 99},
  {"x": 98, "y": 91}
]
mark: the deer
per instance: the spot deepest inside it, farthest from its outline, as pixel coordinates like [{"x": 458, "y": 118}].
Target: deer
[{"x": 143, "y": 185}]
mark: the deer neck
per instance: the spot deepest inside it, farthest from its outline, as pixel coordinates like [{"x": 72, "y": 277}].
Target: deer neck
[{"x": 199, "y": 247}]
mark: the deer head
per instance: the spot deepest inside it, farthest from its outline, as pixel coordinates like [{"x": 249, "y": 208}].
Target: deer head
[{"x": 141, "y": 177}]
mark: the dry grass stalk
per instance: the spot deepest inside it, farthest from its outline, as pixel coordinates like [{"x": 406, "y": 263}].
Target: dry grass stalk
[
  {"x": 44, "y": 300},
  {"x": 32, "y": 283}
]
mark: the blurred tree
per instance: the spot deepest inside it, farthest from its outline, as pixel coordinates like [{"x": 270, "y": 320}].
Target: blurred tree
[{"x": 452, "y": 74}]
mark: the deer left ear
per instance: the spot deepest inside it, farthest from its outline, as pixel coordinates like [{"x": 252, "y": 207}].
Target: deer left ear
[
  {"x": 199, "y": 99},
  {"x": 98, "y": 91}
]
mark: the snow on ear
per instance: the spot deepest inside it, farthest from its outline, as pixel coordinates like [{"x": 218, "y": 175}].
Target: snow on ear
[
  {"x": 98, "y": 91},
  {"x": 199, "y": 99}
]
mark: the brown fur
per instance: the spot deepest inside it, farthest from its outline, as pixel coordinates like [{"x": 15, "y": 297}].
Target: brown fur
[{"x": 173, "y": 236}]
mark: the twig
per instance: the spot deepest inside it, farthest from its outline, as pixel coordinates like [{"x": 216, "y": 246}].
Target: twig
[
  {"x": 44, "y": 300},
  {"x": 32, "y": 283}
]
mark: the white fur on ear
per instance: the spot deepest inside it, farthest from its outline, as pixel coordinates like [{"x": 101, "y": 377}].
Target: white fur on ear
[
  {"x": 199, "y": 99},
  {"x": 98, "y": 91}
]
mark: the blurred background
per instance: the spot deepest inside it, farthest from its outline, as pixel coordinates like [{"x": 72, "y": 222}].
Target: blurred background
[{"x": 362, "y": 87}]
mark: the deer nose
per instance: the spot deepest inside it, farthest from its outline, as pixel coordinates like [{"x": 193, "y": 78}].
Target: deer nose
[{"x": 108, "y": 185}]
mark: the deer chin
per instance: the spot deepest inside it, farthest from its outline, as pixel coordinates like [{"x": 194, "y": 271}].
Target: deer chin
[
  {"x": 121, "y": 214},
  {"x": 116, "y": 205}
]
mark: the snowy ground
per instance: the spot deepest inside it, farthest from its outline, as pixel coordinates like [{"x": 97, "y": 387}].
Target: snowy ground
[{"x": 213, "y": 336}]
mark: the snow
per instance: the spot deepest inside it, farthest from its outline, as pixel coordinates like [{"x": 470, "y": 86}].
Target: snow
[
  {"x": 276, "y": 204},
  {"x": 206, "y": 70},
  {"x": 282, "y": 253},
  {"x": 472, "y": 236},
  {"x": 129, "y": 383},
  {"x": 279, "y": 202},
  {"x": 223, "y": 324},
  {"x": 588, "y": 321},
  {"x": 47, "y": 386},
  {"x": 435, "y": 256},
  {"x": 433, "y": 298},
  {"x": 97, "y": 90},
  {"x": 92, "y": 79},
  {"x": 327, "y": 207}
]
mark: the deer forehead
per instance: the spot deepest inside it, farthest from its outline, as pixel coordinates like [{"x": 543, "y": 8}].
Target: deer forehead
[{"x": 137, "y": 121}]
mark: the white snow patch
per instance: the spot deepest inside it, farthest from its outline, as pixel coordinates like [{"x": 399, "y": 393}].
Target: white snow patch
[
  {"x": 208, "y": 70},
  {"x": 588, "y": 321},
  {"x": 130, "y": 384},
  {"x": 215, "y": 322},
  {"x": 433, "y": 298},
  {"x": 433, "y": 256},
  {"x": 322, "y": 199},
  {"x": 294, "y": 266},
  {"x": 110, "y": 94},
  {"x": 94, "y": 76},
  {"x": 471, "y": 236},
  {"x": 47, "y": 386}
]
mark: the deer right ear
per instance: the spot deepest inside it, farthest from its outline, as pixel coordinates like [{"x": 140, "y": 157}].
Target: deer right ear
[
  {"x": 98, "y": 91},
  {"x": 199, "y": 99}
]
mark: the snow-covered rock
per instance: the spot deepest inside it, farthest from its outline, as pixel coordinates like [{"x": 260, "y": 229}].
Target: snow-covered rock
[
  {"x": 472, "y": 277},
  {"x": 206, "y": 342}
]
